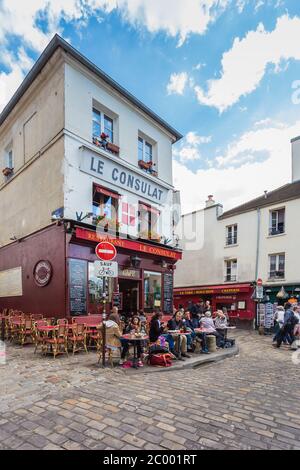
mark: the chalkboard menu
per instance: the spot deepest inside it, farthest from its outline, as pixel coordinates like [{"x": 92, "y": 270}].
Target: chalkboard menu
[
  {"x": 78, "y": 286},
  {"x": 168, "y": 293}
]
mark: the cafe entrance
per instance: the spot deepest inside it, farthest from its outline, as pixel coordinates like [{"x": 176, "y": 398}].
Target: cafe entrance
[{"x": 130, "y": 295}]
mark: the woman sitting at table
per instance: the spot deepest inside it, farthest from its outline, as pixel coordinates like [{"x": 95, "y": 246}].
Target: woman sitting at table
[
  {"x": 157, "y": 329},
  {"x": 198, "y": 336},
  {"x": 133, "y": 327},
  {"x": 207, "y": 323},
  {"x": 176, "y": 323}
]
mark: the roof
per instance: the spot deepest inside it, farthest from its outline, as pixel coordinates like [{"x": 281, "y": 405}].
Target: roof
[
  {"x": 282, "y": 194},
  {"x": 58, "y": 42}
]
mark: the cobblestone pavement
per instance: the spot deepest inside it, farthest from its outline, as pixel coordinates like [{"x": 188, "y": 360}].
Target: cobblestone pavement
[{"x": 251, "y": 401}]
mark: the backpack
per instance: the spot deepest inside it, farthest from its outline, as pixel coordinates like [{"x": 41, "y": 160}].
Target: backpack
[{"x": 160, "y": 360}]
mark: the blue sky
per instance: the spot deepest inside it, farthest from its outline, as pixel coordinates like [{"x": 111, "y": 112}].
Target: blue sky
[{"x": 220, "y": 71}]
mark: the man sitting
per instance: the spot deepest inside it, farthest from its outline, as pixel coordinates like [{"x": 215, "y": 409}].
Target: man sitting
[{"x": 176, "y": 324}]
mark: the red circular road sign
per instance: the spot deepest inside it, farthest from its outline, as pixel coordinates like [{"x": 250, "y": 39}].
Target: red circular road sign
[
  {"x": 106, "y": 251},
  {"x": 259, "y": 282}
]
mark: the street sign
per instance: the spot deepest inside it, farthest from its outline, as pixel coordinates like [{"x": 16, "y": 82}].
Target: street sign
[
  {"x": 259, "y": 292},
  {"x": 106, "y": 251},
  {"x": 106, "y": 268}
]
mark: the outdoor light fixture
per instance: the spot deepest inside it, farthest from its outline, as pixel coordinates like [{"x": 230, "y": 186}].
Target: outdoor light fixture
[
  {"x": 135, "y": 261},
  {"x": 13, "y": 238},
  {"x": 80, "y": 217}
]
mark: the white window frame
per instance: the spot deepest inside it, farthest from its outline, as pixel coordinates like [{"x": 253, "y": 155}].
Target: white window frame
[
  {"x": 9, "y": 157},
  {"x": 233, "y": 278},
  {"x": 277, "y": 257},
  {"x": 230, "y": 228},
  {"x": 272, "y": 211},
  {"x": 102, "y": 116},
  {"x": 145, "y": 142}
]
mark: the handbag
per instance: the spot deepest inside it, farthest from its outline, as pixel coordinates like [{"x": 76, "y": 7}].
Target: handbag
[{"x": 160, "y": 360}]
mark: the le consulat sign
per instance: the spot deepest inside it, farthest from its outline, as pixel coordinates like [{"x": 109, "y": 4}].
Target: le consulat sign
[{"x": 117, "y": 174}]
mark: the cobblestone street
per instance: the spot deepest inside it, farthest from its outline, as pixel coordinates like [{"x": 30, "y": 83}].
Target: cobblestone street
[{"x": 246, "y": 402}]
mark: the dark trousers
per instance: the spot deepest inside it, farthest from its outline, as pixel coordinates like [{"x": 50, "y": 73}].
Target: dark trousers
[
  {"x": 203, "y": 338},
  {"x": 286, "y": 331},
  {"x": 125, "y": 348}
]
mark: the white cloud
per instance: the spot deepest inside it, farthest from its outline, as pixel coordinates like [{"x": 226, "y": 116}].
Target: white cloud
[
  {"x": 189, "y": 148},
  {"x": 177, "y": 83},
  {"x": 245, "y": 64},
  {"x": 232, "y": 185}
]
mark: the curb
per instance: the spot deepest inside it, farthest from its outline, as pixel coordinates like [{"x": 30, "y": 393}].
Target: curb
[{"x": 194, "y": 363}]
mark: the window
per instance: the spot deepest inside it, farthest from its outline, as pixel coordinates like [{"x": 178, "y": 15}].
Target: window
[
  {"x": 152, "y": 291},
  {"x": 102, "y": 123},
  {"x": 105, "y": 207},
  {"x": 148, "y": 222},
  {"x": 277, "y": 222},
  {"x": 145, "y": 150},
  {"x": 231, "y": 270},
  {"x": 277, "y": 266},
  {"x": 231, "y": 235}
]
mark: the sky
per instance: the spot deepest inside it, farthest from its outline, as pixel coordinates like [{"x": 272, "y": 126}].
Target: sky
[{"x": 225, "y": 73}]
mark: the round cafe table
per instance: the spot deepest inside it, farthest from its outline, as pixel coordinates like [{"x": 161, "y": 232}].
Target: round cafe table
[{"x": 134, "y": 339}]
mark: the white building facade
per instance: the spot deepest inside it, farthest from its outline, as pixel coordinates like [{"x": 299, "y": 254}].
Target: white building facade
[
  {"x": 84, "y": 161},
  {"x": 225, "y": 253}
]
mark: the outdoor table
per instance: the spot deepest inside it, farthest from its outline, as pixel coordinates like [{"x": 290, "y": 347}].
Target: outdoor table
[
  {"x": 225, "y": 329},
  {"x": 135, "y": 339}
]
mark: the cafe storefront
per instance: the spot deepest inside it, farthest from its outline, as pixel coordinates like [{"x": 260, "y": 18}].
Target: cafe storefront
[
  {"x": 144, "y": 282},
  {"x": 235, "y": 299}
]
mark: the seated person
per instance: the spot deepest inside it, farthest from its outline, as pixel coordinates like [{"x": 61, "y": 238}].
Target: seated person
[
  {"x": 176, "y": 323},
  {"x": 113, "y": 332},
  {"x": 208, "y": 323},
  {"x": 157, "y": 329},
  {"x": 221, "y": 322},
  {"x": 201, "y": 337},
  {"x": 134, "y": 326}
]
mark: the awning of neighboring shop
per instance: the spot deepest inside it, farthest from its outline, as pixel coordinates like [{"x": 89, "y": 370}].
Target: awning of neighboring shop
[{"x": 207, "y": 290}]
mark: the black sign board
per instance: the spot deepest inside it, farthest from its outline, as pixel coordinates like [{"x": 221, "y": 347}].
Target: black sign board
[
  {"x": 78, "y": 286},
  {"x": 168, "y": 293}
]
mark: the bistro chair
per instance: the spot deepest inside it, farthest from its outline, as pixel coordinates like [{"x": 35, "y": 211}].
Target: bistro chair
[
  {"x": 26, "y": 331},
  {"x": 39, "y": 336},
  {"x": 62, "y": 321},
  {"x": 78, "y": 337},
  {"x": 58, "y": 343},
  {"x": 108, "y": 350}
]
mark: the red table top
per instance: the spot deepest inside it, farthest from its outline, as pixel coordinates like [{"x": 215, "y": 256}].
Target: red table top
[
  {"x": 178, "y": 332},
  {"x": 47, "y": 328}
]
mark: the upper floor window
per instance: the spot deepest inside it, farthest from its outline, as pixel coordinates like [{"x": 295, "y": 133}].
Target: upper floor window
[
  {"x": 231, "y": 235},
  {"x": 8, "y": 162},
  {"x": 105, "y": 208},
  {"x": 148, "y": 222},
  {"x": 277, "y": 266},
  {"x": 102, "y": 124},
  {"x": 231, "y": 270},
  {"x": 145, "y": 150},
  {"x": 277, "y": 222}
]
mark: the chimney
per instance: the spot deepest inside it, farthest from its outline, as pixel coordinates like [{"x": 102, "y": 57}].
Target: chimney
[
  {"x": 295, "y": 159},
  {"x": 210, "y": 201}
]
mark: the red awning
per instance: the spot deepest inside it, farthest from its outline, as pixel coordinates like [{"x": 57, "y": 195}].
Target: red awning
[
  {"x": 221, "y": 289},
  {"x": 147, "y": 208},
  {"x": 106, "y": 192}
]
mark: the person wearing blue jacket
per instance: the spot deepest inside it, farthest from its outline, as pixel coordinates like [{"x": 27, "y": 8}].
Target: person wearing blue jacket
[{"x": 287, "y": 329}]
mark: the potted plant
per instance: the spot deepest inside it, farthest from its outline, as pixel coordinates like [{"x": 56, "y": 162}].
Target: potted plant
[
  {"x": 113, "y": 148},
  {"x": 7, "y": 171},
  {"x": 144, "y": 165}
]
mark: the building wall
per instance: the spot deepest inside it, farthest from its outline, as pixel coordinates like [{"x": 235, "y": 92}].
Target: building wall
[
  {"x": 204, "y": 264},
  {"x": 48, "y": 244},
  {"x": 81, "y": 90},
  {"x": 36, "y": 188}
]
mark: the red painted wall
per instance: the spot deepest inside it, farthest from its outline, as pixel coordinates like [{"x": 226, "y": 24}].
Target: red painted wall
[{"x": 48, "y": 244}]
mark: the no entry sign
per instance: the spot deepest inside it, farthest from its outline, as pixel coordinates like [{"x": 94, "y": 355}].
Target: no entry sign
[{"x": 106, "y": 251}]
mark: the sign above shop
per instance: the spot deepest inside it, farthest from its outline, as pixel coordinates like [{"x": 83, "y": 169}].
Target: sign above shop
[
  {"x": 106, "y": 251},
  {"x": 106, "y": 268},
  {"x": 146, "y": 248},
  {"x": 121, "y": 176}
]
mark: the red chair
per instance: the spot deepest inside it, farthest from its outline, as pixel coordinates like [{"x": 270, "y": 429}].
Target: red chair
[
  {"x": 78, "y": 337},
  {"x": 58, "y": 343}
]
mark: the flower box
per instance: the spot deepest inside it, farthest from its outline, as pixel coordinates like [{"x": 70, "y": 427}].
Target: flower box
[
  {"x": 113, "y": 148},
  {"x": 144, "y": 165},
  {"x": 7, "y": 171}
]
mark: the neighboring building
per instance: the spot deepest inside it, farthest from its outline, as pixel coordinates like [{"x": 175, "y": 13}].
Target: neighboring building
[
  {"x": 257, "y": 240},
  {"x": 83, "y": 160}
]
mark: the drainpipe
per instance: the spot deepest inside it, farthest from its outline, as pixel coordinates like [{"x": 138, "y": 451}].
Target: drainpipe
[{"x": 257, "y": 253}]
